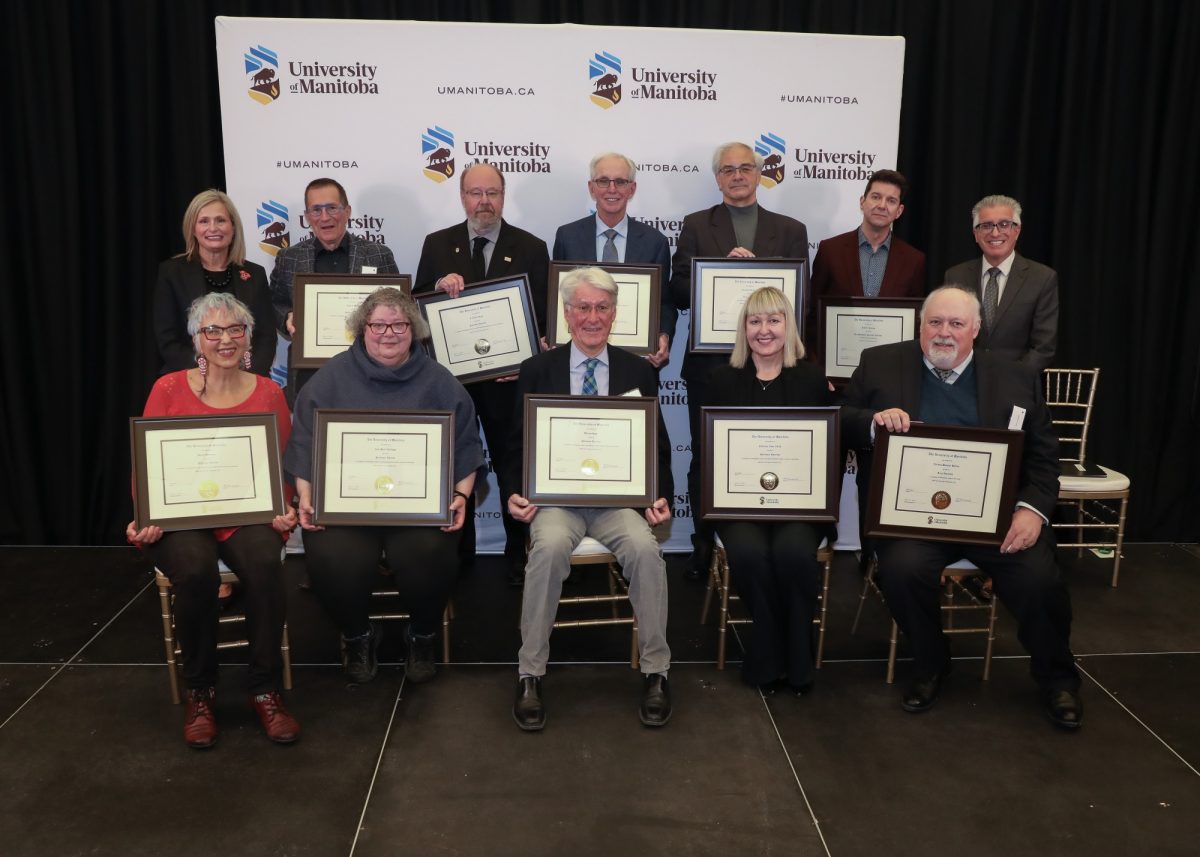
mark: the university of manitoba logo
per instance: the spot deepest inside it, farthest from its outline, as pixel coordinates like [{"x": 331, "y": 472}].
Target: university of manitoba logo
[
  {"x": 604, "y": 73},
  {"x": 773, "y": 148},
  {"x": 437, "y": 145},
  {"x": 262, "y": 66},
  {"x": 272, "y": 219}
]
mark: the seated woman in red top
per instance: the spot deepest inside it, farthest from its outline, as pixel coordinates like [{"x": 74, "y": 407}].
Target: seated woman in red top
[
  {"x": 773, "y": 565},
  {"x": 221, "y": 326}
]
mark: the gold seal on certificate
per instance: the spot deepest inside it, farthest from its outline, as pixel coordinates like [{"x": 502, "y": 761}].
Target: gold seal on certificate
[
  {"x": 769, "y": 481},
  {"x": 385, "y": 484},
  {"x": 940, "y": 500},
  {"x": 209, "y": 489},
  {"x": 590, "y": 467}
]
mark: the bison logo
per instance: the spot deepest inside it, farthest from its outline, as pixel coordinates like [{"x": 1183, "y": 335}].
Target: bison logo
[
  {"x": 261, "y": 64},
  {"x": 772, "y": 148},
  {"x": 272, "y": 220},
  {"x": 604, "y": 72},
  {"x": 437, "y": 146}
]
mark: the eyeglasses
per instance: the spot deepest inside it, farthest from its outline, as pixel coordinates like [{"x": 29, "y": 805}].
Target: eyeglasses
[
  {"x": 1001, "y": 225},
  {"x": 379, "y": 328},
  {"x": 619, "y": 184},
  {"x": 333, "y": 209},
  {"x": 477, "y": 194},
  {"x": 213, "y": 332},
  {"x": 744, "y": 169},
  {"x": 586, "y": 309}
]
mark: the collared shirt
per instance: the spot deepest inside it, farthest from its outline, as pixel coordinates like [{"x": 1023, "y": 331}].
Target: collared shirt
[
  {"x": 956, "y": 371},
  {"x": 871, "y": 262},
  {"x": 492, "y": 235},
  {"x": 579, "y": 369},
  {"x": 335, "y": 261},
  {"x": 622, "y": 235},
  {"x": 1001, "y": 280}
]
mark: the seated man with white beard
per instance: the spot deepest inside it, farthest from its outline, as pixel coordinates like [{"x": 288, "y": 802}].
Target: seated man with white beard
[{"x": 942, "y": 379}]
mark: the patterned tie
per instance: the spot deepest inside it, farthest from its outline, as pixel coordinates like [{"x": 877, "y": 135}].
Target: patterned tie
[
  {"x": 589, "y": 376},
  {"x": 610, "y": 247},
  {"x": 944, "y": 374},
  {"x": 991, "y": 297},
  {"x": 478, "y": 265}
]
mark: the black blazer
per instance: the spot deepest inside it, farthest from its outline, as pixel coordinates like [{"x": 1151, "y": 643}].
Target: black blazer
[
  {"x": 549, "y": 373},
  {"x": 448, "y": 251},
  {"x": 180, "y": 282},
  {"x": 804, "y": 386},
  {"x": 890, "y": 376}
]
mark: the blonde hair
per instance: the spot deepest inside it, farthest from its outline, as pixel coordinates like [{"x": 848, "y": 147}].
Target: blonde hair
[
  {"x": 237, "y": 248},
  {"x": 763, "y": 302}
]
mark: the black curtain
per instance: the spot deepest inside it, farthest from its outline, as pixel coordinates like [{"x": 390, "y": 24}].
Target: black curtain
[{"x": 1087, "y": 111}]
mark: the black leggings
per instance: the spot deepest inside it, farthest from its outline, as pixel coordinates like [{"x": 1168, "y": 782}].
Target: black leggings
[
  {"x": 343, "y": 567},
  {"x": 189, "y": 560}
]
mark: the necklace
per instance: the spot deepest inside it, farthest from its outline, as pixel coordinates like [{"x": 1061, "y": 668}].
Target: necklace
[
  {"x": 218, "y": 282},
  {"x": 765, "y": 384}
]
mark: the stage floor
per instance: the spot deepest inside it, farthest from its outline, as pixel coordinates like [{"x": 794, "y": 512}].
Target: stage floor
[{"x": 92, "y": 760}]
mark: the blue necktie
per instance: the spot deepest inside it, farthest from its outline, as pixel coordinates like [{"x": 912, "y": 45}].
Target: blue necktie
[{"x": 589, "y": 376}]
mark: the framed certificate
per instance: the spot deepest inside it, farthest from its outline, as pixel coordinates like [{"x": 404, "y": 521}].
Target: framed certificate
[
  {"x": 384, "y": 468},
  {"x": 720, "y": 287},
  {"x": 483, "y": 333},
  {"x": 770, "y": 463},
  {"x": 944, "y": 483},
  {"x": 850, "y": 325},
  {"x": 591, "y": 450},
  {"x": 211, "y": 471},
  {"x": 639, "y": 302},
  {"x": 320, "y": 305}
]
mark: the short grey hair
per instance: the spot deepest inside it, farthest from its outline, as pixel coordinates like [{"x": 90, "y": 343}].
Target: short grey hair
[
  {"x": 628, "y": 162},
  {"x": 389, "y": 297},
  {"x": 595, "y": 277},
  {"x": 996, "y": 199},
  {"x": 216, "y": 302},
  {"x": 953, "y": 287},
  {"x": 725, "y": 147}
]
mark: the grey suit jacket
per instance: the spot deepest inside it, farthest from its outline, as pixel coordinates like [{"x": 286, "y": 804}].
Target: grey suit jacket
[
  {"x": 710, "y": 233},
  {"x": 644, "y": 245},
  {"x": 1026, "y": 326},
  {"x": 300, "y": 258}
]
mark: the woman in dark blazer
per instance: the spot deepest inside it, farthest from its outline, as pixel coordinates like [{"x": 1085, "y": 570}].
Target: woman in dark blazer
[
  {"x": 214, "y": 261},
  {"x": 773, "y": 565}
]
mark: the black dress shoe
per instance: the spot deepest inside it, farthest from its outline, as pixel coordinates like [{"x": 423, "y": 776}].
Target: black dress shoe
[
  {"x": 1065, "y": 708},
  {"x": 528, "y": 710},
  {"x": 922, "y": 693},
  {"x": 655, "y": 709}
]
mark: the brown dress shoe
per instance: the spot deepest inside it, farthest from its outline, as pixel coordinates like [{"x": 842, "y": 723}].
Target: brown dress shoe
[
  {"x": 199, "y": 722},
  {"x": 280, "y": 726}
]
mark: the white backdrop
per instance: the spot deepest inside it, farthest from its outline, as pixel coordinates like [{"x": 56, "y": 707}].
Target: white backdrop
[{"x": 395, "y": 110}]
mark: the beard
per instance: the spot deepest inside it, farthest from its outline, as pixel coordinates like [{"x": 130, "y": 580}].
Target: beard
[{"x": 943, "y": 353}]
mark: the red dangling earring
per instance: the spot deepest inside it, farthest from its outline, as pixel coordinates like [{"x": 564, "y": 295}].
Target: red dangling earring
[
  {"x": 246, "y": 360},
  {"x": 202, "y": 364}
]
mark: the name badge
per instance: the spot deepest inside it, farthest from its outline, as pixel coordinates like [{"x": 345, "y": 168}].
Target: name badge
[
  {"x": 1017, "y": 420},
  {"x": 370, "y": 269}
]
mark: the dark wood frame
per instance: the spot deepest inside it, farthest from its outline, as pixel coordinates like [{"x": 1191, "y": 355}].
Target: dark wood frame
[
  {"x": 141, "y": 430},
  {"x": 526, "y": 325},
  {"x": 647, "y": 405},
  {"x": 864, "y": 302},
  {"x": 701, "y": 263},
  {"x": 830, "y": 416},
  {"x": 322, "y": 420},
  {"x": 1015, "y": 442},
  {"x": 300, "y": 284},
  {"x": 554, "y": 316}
]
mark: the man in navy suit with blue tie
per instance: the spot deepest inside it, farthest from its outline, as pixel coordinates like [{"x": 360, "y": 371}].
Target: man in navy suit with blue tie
[{"x": 611, "y": 235}]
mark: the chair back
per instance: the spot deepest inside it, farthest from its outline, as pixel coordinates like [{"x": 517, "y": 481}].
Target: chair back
[{"x": 1069, "y": 396}]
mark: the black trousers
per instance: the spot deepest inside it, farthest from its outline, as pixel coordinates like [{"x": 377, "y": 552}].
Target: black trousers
[
  {"x": 774, "y": 569},
  {"x": 189, "y": 560},
  {"x": 1027, "y": 583},
  {"x": 496, "y": 405},
  {"x": 343, "y": 568},
  {"x": 697, "y": 387}
]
